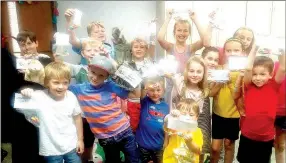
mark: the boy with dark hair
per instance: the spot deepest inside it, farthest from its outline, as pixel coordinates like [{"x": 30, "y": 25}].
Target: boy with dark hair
[{"x": 261, "y": 99}]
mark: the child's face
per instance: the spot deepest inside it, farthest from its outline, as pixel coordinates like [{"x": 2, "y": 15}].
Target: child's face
[
  {"x": 195, "y": 73},
  {"x": 211, "y": 59},
  {"x": 139, "y": 50},
  {"x": 182, "y": 32},
  {"x": 96, "y": 75},
  {"x": 98, "y": 33},
  {"x": 28, "y": 47},
  {"x": 58, "y": 87},
  {"x": 155, "y": 91},
  {"x": 245, "y": 36},
  {"x": 88, "y": 52},
  {"x": 260, "y": 75},
  {"x": 233, "y": 48}
]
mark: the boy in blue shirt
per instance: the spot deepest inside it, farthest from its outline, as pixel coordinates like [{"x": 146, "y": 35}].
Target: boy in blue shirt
[{"x": 150, "y": 132}]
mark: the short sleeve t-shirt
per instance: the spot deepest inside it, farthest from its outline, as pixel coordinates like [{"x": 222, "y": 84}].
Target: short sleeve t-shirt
[
  {"x": 150, "y": 132},
  {"x": 101, "y": 109},
  {"x": 57, "y": 129},
  {"x": 178, "y": 143},
  {"x": 224, "y": 104},
  {"x": 260, "y": 111}
]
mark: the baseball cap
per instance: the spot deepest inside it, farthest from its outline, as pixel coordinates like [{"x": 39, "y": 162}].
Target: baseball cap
[{"x": 103, "y": 63}]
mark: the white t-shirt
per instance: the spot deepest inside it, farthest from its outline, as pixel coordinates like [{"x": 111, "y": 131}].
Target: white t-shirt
[{"x": 57, "y": 128}]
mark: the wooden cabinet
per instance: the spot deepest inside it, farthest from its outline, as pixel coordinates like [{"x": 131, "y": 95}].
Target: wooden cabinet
[{"x": 36, "y": 17}]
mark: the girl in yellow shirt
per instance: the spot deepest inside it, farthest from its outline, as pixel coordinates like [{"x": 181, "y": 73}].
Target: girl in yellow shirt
[{"x": 183, "y": 146}]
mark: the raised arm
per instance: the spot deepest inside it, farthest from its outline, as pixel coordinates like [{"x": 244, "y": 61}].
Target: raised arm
[
  {"x": 248, "y": 72},
  {"x": 162, "y": 32},
  {"x": 280, "y": 75},
  {"x": 74, "y": 41},
  {"x": 199, "y": 44},
  {"x": 208, "y": 34}
]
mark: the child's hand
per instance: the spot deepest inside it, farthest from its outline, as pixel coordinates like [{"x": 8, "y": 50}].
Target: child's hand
[
  {"x": 80, "y": 147},
  {"x": 170, "y": 12},
  {"x": 241, "y": 73},
  {"x": 187, "y": 136},
  {"x": 192, "y": 15},
  {"x": 68, "y": 14},
  {"x": 175, "y": 113},
  {"x": 212, "y": 15},
  {"x": 27, "y": 92}
]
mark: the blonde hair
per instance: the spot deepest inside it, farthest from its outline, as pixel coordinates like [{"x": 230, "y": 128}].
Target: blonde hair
[
  {"x": 188, "y": 105},
  {"x": 203, "y": 85},
  {"x": 35, "y": 72},
  {"x": 56, "y": 70},
  {"x": 155, "y": 80},
  {"x": 93, "y": 24},
  {"x": 247, "y": 50},
  {"x": 92, "y": 43},
  {"x": 140, "y": 40},
  {"x": 181, "y": 21}
]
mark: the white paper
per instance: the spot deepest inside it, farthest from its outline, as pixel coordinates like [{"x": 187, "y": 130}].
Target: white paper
[
  {"x": 130, "y": 76},
  {"x": 21, "y": 63},
  {"x": 27, "y": 107},
  {"x": 181, "y": 124},
  {"x": 77, "y": 17},
  {"x": 218, "y": 75},
  {"x": 168, "y": 65},
  {"x": 237, "y": 62},
  {"x": 62, "y": 39},
  {"x": 22, "y": 102}
]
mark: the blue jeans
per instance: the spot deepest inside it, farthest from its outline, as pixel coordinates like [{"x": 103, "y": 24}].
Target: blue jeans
[
  {"x": 125, "y": 142},
  {"x": 70, "y": 157}
]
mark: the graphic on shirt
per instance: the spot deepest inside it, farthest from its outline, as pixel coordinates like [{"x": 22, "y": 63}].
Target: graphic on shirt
[{"x": 156, "y": 113}]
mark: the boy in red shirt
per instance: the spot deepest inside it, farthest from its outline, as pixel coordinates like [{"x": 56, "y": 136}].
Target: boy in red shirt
[{"x": 257, "y": 126}]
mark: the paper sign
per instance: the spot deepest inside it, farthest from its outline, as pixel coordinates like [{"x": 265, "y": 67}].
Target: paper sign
[
  {"x": 237, "y": 62},
  {"x": 130, "y": 76},
  {"x": 27, "y": 107},
  {"x": 218, "y": 75},
  {"x": 181, "y": 124},
  {"x": 77, "y": 17},
  {"x": 22, "y": 102}
]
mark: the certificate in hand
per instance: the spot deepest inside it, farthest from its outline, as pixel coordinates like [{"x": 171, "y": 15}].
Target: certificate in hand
[
  {"x": 218, "y": 75},
  {"x": 129, "y": 75},
  {"x": 181, "y": 124},
  {"x": 237, "y": 62}
]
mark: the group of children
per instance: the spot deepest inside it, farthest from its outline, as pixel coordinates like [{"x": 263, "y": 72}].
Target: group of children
[{"x": 135, "y": 122}]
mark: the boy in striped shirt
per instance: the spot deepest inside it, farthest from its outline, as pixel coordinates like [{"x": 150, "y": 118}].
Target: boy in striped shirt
[{"x": 106, "y": 120}]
